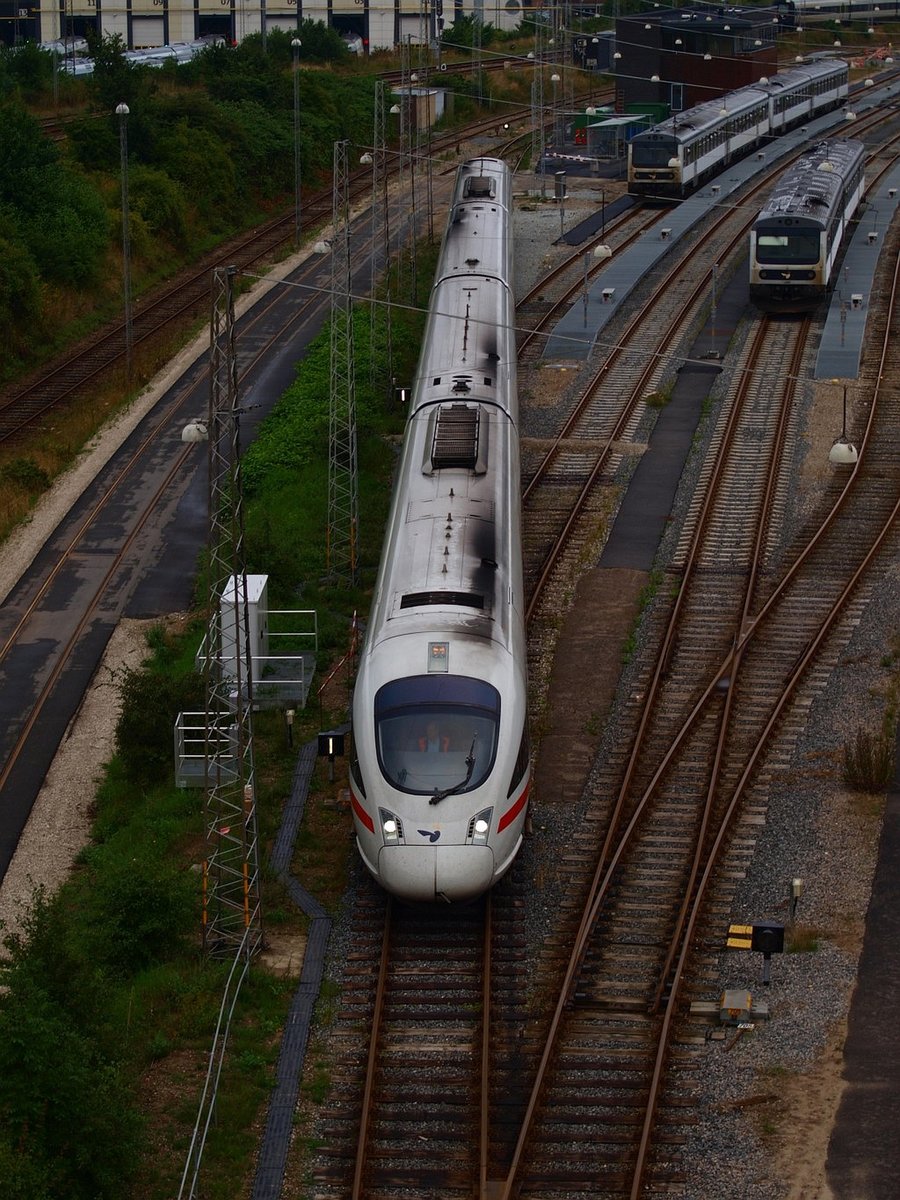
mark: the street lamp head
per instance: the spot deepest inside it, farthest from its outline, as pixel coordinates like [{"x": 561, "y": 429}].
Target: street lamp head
[
  {"x": 554, "y": 78},
  {"x": 366, "y": 159},
  {"x": 195, "y": 431},
  {"x": 395, "y": 109},
  {"x": 122, "y": 110},
  {"x": 843, "y": 453},
  {"x": 295, "y": 44}
]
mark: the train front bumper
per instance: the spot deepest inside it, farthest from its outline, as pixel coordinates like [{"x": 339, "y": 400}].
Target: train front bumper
[{"x": 449, "y": 874}]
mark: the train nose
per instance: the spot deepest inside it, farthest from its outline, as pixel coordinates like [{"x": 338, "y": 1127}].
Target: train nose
[{"x": 447, "y": 873}]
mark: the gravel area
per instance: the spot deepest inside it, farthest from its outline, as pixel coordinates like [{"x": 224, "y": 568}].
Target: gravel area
[{"x": 768, "y": 1096}]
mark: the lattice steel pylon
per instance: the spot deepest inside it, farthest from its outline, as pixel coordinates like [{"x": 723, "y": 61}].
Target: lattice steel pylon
[
  {"x": 409, "y": 159},
  {"x": 232, "y": 916},
  {"x": 343, "y": 478},
  {"x": 538, "y": 116},
  {"x": 380, "y": 315}
]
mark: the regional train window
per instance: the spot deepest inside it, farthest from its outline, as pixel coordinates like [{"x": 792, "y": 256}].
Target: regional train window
[
  {"x": 436, "y": 734},
  {"x": 773, "y": 246}
]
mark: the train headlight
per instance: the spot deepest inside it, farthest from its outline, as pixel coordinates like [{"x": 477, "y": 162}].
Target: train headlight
[
  {"x": 391, "y": 828},
  {"x": 480, "y": 827}
]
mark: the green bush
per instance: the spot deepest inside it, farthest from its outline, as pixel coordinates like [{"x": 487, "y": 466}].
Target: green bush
[
  {"x": 63, "y": 1103},
  {"x": 161, "y": 203},
  {"x": 151, "y": 701},
  {"x": 138, "y": 909}
]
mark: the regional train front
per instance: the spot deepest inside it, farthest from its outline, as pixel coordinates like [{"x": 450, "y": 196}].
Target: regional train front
[{"x": 439, "y": 772}]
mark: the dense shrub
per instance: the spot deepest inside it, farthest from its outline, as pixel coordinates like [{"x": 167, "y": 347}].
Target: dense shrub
[
  {"x": 20, "y": 294},
  {"x": 151, "y": 702},
  {"x": 63, "y": 1105},
  {"x": 161, "y": 202},
  {"x": 139, "y": 908},
  {"x": 67, "y": 229}
]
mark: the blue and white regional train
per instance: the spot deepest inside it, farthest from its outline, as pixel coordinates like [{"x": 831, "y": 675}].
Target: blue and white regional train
[
  {"x": 440, "y": 770},
  {"x": 796, "y": 238},
  {"x": 668, "y": 161}
]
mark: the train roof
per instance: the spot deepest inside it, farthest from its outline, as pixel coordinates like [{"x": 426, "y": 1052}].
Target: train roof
[
  {"x": 685, "y": 126},
  {"x": 812, "y": 186}
]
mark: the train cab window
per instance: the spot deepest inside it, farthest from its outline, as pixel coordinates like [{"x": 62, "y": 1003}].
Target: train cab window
[
  {"x": 782, "y": 246},
  {"x": 652, "y": 154},
  {"x": 436, "y": 734}
]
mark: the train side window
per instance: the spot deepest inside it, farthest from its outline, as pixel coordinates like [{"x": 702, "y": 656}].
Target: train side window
[
  {"x": 355, "y": 772},
  {"x": 522, "y": 760}
]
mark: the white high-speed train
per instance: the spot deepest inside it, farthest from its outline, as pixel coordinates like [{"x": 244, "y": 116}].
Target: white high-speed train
[
  {"x": 439, "y": 770},
  {"x": 668, "y": 161}
]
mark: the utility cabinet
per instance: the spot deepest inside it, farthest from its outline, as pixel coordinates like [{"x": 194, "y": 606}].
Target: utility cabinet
[{"x": 231, "y": 616}]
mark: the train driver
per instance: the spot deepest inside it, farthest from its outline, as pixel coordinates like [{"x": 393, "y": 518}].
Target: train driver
[{"x": 433, "y": 740}]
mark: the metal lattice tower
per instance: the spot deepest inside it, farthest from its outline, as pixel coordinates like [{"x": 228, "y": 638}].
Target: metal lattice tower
[
  {"x": 477, "y": 29},
  {"x": 423, "y": 137},
  {"x": 408, "y": 159},
  {"x": 343, "y": 479},
  {"x": 380, "y": 315},
  {"x": 538, "y": 116},
  {"x": 568, "y": 63},
  {"x": 232, "y": 918}
]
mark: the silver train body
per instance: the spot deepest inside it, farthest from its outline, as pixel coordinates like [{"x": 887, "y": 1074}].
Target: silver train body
[
  {"x": 797, "y": 236},
  {"x": 670, "y": 160},
  {"x": 817, "y": 12},
  {"x": 445, "y": 641}
]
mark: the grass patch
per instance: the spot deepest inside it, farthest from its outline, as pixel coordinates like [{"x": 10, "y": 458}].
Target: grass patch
[
  {"x": 801, "y": 939},
  {"x": 869, "y": 760}
]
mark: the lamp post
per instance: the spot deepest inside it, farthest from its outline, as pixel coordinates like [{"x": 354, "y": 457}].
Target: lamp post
[
  {"x": 122, "y": 113},
  {"x": 554, "y": 79},
  {"x": 843, "y": 452},
  {"x": 295, "y": 47}
]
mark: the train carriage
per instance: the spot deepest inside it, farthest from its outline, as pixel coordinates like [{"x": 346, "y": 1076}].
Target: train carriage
[
  {"x": 440, "y": 768},
  {"x": 670, "y": 160},
  {"x": 796, "y": 239}
]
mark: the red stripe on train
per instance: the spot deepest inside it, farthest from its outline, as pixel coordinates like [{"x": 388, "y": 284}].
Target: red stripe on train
[
  {"x": 361, "y": 812},
  {"x": 509, "y": 816}
]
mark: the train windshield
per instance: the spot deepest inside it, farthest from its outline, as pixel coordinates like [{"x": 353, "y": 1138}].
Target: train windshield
[
  {"x": 780, "y": 246},
  {"x": 437, "y": 734},
  {"x": 657, "y": 153}
]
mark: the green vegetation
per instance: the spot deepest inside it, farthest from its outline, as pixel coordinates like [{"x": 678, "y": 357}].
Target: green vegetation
[
  {"x": 107, "y": 1007},
  {"x": 210, "y": 148},
  {"x": 210, "y": 151}
]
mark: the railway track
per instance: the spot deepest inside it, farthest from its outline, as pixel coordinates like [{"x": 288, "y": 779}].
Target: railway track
[
  {"x": 532, "y": 1142},
  {"x": 609, "y": 1074}
]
